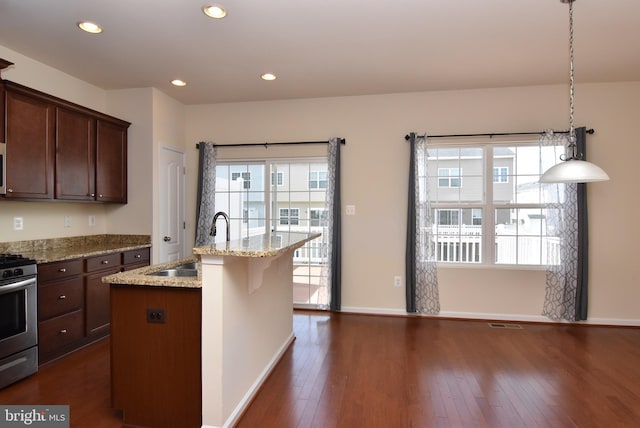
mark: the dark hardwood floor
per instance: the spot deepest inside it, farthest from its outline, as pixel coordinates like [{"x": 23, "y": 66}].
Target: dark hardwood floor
[{"x": 371, "y": 371}]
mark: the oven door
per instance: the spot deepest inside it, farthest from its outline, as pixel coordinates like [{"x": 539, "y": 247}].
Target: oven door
[{"x": 18, "y": 316}]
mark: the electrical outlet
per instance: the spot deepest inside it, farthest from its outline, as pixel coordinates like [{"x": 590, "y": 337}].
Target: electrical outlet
[
  {"x": 397, "y": 281},
  {"x": 156, "y": 315},
  {"x": 351, "y": 210},
  {"x": 92, "y": 220},
  {"x": 67, "y": 221},
  {"x": 18, "y": 223}
]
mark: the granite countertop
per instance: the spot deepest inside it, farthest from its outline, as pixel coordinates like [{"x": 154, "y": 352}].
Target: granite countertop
[
  {"x": 263, "y": 245},
  {"x": 141, "y": 276},
  {"x": 58, "y": 249},
  {"x": 259, "y": 246}
]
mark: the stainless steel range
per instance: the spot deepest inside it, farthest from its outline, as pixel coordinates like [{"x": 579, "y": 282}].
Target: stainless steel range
[{"x": 18, "y": 318}]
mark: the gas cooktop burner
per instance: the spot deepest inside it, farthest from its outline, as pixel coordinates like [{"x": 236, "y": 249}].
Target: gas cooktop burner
[{"x": 14, "y": 260}]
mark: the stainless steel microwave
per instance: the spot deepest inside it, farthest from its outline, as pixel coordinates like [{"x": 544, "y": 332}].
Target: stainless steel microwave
[{"x": 3, "y": 169}]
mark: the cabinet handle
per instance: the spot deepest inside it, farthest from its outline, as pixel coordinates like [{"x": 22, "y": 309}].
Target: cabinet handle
[
  {"x": 92, "y": 195},
  {"x": 100, "y": 196},
  {"x": 63, "y": 331},
  {"x": 63, "y": 270},
  {"x": 138, "y": 256},
  {"x": 62, "y": 297},
  {"x": 9, "y": 190},
  {"x": 105, "y": 262}
]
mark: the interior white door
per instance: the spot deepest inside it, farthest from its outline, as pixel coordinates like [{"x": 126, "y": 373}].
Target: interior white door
[{"x": 172, "y": 210}]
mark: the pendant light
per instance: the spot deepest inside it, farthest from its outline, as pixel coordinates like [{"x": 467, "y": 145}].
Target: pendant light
[{"x": 572, "y": 169}]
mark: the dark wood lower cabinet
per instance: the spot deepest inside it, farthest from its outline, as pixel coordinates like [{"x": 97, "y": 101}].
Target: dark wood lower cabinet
[
  {"x": 155, "y": 360},
  {"x": 74, "y": 303}
]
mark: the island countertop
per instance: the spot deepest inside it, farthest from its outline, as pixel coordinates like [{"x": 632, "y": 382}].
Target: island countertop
[
  {"x": 263, "y": 245},
  {"x": 259, "y": 246}
]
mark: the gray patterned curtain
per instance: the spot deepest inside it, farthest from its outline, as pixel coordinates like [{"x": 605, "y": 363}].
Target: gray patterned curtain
[
  {"x": 566, "y": 219},
  {"x": 205, "y": 208},
  {"x": 422, "y": 294},
  {"x": 333, "y": 230}
]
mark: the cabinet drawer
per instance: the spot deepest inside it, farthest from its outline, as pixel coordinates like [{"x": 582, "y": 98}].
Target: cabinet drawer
[
  {"x": 59, "y": 332},
  {"x": 56, "y": 270},
  {"x": 102, "y": 262},
  {"x": 135, "y": 256},
  {"x": 59, "y": 297}
]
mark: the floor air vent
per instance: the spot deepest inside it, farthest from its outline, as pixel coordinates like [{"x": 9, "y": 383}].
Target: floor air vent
[{"x": 505, "y": 325}]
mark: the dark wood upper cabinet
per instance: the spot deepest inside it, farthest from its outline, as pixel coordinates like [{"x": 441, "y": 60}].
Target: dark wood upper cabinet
[
  {"x": 56, "y": 149},
  {"x": 111, "y": 162},
  {"x": 75, "y": 155},
  {"x": 30, "y": 145}
]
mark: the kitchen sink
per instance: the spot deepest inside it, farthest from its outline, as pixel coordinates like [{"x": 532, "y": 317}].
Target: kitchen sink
[
  {"x": 175, "y": 272},
  {"x": 188, "y": 266},
  {"x": 187, "y": 269}
]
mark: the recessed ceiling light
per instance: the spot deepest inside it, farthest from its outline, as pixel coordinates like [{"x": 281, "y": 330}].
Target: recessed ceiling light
[
  {"x": 268, "y": 76},
  {"x": 178, "y": 82},
  {"x": 90, "y": 27},
  {"x": 214, "y": 11}
]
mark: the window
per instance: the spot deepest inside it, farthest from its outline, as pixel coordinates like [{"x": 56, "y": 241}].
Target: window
[
  {"x": 280, "y": 195},
  {"x": 277, "y": 178},
  {"x": 500, "y": 174},
  {"x": 448, "y": 217},
  {"x": 316, "y": 217},
  {"x": 289, "y": 216},
  {"x": 499, "y": 216},
  {"x": 246, "y": 176},
  {"x": 449, "y": 177},
  {"x": 317, "y": 180}
]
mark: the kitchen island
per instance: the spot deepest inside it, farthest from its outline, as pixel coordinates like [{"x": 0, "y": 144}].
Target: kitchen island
[{"x": 245, "y": 320}]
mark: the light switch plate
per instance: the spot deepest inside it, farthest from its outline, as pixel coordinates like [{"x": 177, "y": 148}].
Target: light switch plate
[{"x": 18, "y": 223}]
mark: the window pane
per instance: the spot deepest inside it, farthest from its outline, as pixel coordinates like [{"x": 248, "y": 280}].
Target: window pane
[
  {"x": 520, "y": 236},
  {"x": 457, "y": 237}
]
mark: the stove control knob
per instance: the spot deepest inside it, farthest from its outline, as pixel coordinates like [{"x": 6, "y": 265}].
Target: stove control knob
[
  {"x": 7, "y": 274},
  {"x": 18, "y": 272}
]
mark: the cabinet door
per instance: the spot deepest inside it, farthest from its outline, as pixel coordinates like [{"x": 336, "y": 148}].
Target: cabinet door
[
  {"x": 75, "y": 155},
  {"x": 111, "y": 162},
  {"x": 30, "y": 146},
  {"x": 97, "y": 303}
]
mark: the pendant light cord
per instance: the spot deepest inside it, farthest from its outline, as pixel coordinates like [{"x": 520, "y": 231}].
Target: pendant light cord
[{"x": 572, "y": 133}]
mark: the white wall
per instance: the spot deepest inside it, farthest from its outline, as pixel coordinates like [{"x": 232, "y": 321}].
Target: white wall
[{"x": 375, "y": 181}]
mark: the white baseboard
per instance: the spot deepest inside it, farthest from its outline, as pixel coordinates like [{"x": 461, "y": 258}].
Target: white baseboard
[
  {"x": 493, "y": 316},
  {"x": 253, "y": 390}
]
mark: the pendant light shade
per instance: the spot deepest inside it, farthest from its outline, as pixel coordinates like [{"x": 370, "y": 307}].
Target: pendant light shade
[{"x": 572, "y": 169}]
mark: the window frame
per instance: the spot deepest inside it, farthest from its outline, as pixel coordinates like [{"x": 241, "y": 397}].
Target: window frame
[{"x": 488, "y": 206}]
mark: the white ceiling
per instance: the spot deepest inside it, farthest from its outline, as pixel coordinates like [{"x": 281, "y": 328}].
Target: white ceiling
[{"x": 321, "y": 48}]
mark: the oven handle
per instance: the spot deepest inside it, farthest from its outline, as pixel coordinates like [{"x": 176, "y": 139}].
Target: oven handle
[{"x": 18, "y": 286}]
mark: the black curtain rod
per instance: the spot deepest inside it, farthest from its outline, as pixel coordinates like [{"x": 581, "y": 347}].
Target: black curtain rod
[
  {"x": 496, "y": 134},
  {"x": 265, "y": 145}
]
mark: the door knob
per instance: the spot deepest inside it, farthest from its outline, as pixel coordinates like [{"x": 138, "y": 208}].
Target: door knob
[{"x": 167, "y": 238}]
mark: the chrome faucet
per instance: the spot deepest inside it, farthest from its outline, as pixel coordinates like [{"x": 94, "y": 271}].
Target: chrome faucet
[{"x": 213, "y": 224}]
